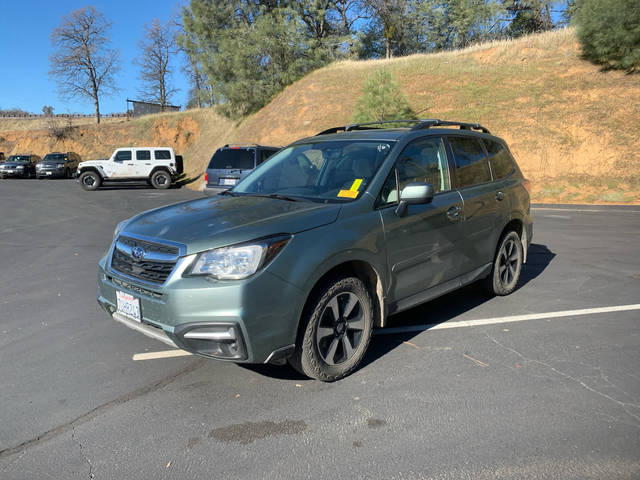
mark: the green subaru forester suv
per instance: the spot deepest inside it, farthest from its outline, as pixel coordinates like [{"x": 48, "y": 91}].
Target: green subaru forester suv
[{"x": 304, "y": 257}]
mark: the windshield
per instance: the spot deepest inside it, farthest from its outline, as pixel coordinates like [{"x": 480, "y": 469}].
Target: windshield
[
  {"x": 233, "y": 158},
  {"x": 19, "y": 158},
  {"x": 326, "y": 171},
  {"x": 54, "y": 157}
]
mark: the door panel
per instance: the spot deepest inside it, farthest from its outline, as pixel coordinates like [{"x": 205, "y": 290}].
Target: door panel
[
  {"x": 422, "y": 247},
  {"x": 122, "y": 166}
]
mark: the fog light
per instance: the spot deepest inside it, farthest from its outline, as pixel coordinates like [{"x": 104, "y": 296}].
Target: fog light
[{"x": 218, "y": 340}]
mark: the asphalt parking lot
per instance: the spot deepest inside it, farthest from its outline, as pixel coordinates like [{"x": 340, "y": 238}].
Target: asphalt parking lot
[{"x": 544, "y": 383}]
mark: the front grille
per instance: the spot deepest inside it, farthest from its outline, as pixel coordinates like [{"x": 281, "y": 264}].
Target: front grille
[{"x": 155, "y": 270}]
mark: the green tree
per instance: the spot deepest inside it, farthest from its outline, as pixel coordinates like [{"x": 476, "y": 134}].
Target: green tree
[
  {"x": 609, "y": 31},
  {"x": 382, "y": 99}
]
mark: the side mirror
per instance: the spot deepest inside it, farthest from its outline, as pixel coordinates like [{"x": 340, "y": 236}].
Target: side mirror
[{"x": 416, "y": 193}]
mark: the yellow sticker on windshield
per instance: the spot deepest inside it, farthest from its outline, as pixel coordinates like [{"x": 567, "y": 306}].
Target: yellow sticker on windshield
[{"x": 353, "y": 191}]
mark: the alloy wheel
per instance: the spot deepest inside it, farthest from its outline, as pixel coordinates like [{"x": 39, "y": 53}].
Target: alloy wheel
[{"x": 340, "y": 329}]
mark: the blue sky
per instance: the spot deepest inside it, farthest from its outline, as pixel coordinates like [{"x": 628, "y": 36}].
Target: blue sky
[{"x": 25, "y": 46}]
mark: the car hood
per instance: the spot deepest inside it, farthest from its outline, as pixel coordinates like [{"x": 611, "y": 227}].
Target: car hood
[
  {"x": 88, "y": 163},
  {"x": 224, "y": 220},
  {"x": 14, "y": 164}
]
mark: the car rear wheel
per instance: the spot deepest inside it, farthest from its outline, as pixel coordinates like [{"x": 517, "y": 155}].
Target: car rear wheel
[
  {"x": 337, "y": 329},
  {"x": 161, "y": 180},
  {"x": 506, "y": 266},
  {"x": 90, "y": 181}
]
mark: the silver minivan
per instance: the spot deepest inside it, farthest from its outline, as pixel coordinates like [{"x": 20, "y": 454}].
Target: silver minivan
[{"x": 231, "y": 163}]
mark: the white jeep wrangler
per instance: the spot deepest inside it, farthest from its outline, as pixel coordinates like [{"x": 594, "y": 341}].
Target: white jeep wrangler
[{"x": 158, "y": 166}]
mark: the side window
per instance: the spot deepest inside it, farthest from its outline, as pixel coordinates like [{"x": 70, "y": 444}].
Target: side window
[
  {"x": 123, "y": 155},
  {"x": 162, "y": 154},
  {"x": 143, "y": 155},
  {"x": 501, "y": 160},
  {"x": 423, "y": 160},
  {"x": 472, "y": 166}
]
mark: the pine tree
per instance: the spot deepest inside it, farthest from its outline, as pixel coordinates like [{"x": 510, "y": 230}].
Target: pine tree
[
  {"x": 609, "y": 31},
  {"x": 382, "y": 99}
]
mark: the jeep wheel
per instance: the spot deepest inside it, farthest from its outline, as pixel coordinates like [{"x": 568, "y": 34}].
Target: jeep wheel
[
  {"x": 337, "y": 329},
  {"x": 90, "y": 181},
  {"x": 161, "y": 179},
  {"x": 506, "y": 266}
]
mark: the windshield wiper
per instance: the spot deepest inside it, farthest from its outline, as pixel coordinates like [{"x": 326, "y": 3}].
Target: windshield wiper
[
  {"x": 228, "y": 192},
  {"x": 274, "y": 195}
]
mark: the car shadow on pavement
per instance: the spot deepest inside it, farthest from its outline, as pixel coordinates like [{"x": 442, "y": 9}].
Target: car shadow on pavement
[{"x": 437, "y": 311}]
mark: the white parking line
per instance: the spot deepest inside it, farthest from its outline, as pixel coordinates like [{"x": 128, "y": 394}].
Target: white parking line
[
  {"x": 592, "y": 210},
  {"x": 441, "y": 326},
  {"x": 511, "y": 319},
  {"x": 163, "y": 354}
]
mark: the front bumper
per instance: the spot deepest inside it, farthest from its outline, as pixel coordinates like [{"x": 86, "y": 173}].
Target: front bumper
[
  {"x": 248, "y": 321},
  {"x": 50, "y": 172},
  {"x": 13, "y": 173}
]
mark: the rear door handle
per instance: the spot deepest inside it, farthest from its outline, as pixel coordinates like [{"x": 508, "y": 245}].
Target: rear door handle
[
  {"x": 453, "y": 213},
  {"x": 130, "y": 164},
  {"x": 499, "y": 196}
]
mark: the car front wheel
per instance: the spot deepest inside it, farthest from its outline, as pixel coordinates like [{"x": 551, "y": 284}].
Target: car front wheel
[
  {"x": 337, "y": 330},
  {"x": 506, "y": 266},
  {"x": 90, "y": 181}
]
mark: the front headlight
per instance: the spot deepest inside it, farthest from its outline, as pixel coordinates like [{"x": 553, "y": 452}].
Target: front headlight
[
  {"x": 60, "y": 165},
  {"x": 239, "y": 261},
  {"x": 19, "y": 167}
]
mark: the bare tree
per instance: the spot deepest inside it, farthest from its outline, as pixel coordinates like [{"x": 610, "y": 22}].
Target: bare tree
[
  {"x": 157, "y": 49},
  {"x": 82, "y": 63}
]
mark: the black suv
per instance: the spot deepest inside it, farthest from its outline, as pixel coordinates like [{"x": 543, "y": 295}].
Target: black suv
[
  {"x": 233, "y": 162},
  {"x": 56, "y": 164},
  {"x": 23, "y": 166}
]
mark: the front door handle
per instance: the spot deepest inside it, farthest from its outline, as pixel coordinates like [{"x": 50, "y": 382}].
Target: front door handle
[
  {"x": 453, "y": 213},
  {"x": 130, "y": 164},
  {"x": 499, "y": 196}
]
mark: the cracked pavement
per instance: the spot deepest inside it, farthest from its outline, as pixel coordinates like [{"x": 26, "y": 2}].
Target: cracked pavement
[{"x": 549, "y": 398}]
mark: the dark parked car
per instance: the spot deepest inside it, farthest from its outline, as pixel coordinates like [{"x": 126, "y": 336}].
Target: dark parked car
[
  {"x": 318, "y": 246},
  {"x": 23, "y": 166},
  {"x": 231, "y": 163},
  {"x": 56, "y": 164}
]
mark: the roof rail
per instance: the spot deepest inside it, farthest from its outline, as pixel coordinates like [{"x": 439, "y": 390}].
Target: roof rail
[
  {"x": 420, "y": 125},
  {"x": 239, "y": 145},
  {"x": 363, "y": 126},
  {"x": 442, "y": 123}
]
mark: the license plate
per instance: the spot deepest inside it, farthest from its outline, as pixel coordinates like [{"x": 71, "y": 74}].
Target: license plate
[
  {"x": 48, "y": 173},
  {"x": 128, "y": 305},
  {"x": 227, "y": 181}
]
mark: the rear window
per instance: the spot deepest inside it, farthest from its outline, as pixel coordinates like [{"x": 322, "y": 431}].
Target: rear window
[
  {"x": 472, "y": 167},
  {"x": 162, "y": 155},
  {"x": 501, "y": 160},
  {"x": 237, "y": 158}
]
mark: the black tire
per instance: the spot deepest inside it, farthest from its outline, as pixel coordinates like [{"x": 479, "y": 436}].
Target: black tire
[
  {"x": 161, "y": 179},
  {"x": 90, "y": 181},
  {"x": 330, "y": 348},
  {"x": 507, "y": 265}
]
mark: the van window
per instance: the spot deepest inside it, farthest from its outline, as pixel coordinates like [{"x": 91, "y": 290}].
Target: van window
[
  {"x": 162, "y": 154},
  {"x": 143, "y": 155},
  {"x": 265, "y": 153},
  {"x": 233, "y": 158},
  {"x": 501, "y": 161},
  {"x": 471, "y": 162},
  {"x": 123, "y": 155}
]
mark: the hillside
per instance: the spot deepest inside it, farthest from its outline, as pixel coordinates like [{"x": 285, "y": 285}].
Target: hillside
[{"x": 573, "y": 128}]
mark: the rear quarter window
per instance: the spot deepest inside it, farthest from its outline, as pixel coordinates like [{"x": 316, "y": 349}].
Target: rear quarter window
[
  {"x": 471, "y": 162},
  {"x": 502, "y": 163},
  {"x": 162, "y": 155}
]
